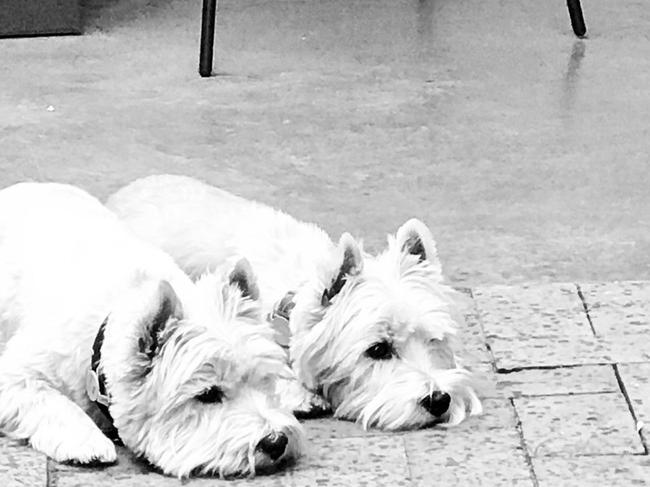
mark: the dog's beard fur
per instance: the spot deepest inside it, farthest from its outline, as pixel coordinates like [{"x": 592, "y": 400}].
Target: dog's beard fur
[
  {"x": 220, "y": 344},
  {"x": 399, "y": 299}
]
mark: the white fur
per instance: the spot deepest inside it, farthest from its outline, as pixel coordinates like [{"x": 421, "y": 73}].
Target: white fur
[
  {"x": 66, "y": 264},
  {"x": 397, "y": 296}
]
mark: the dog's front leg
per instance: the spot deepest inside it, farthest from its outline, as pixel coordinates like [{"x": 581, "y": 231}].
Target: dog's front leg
[
  {"x": 52, "y": 423},
  {"x": 304, "y": 403}
]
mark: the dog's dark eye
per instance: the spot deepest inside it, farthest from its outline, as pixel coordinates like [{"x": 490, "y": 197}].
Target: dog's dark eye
[
  {"x": 210, "y": 396},
  {"x": 380, "y": 351}
]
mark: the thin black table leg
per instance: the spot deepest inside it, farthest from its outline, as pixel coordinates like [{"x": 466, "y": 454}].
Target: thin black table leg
[
  {"x": 577, "y": 20},
  {"x": 207, "y": 37}
]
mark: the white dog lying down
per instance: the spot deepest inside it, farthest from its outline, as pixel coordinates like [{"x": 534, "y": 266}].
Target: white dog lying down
[
  {"x": 369, "y": 333},
  {"x": 97, "y": 319}
]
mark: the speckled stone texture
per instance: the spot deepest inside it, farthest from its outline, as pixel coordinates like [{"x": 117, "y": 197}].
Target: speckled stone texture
[
  {"x": 595, "y": 471},
  {"x": 123, "y": 473},
  {"x": 618, "y": 307},
  {"x": 561, "y": 380},
  {"x": 584, "y": 424},
  {"x": 470, "y": 453},
  {"x": 328, "y": 428},
  {"x": 354, "y": 461},
  {"x": 512, "y": 354},
  {"x": 531, "y": 311},
  {"x": 520, "y": 334},
  {"x": 560, "y": 351},
  {"x": 20, "y": 466}
]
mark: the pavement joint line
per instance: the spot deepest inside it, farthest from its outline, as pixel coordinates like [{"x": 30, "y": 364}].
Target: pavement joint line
[
  {"x": 630, "y": 406},
  {"x": 564, "y": 394},
  {"x": 513, "y": 370},
  {"x": 592, "y": 455},
  {"x": 408, "y": 461},
  {"x": 50, "y": 473},
  {"x": 586, "y": 308},
  {"x": 524, "y": 446},
  {"x": 486, "y": 342}
]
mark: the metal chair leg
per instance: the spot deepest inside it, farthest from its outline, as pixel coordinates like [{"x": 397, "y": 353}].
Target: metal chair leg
[
  {"x": 577, "y": 20},
  {"x": 208, "y": 17}
]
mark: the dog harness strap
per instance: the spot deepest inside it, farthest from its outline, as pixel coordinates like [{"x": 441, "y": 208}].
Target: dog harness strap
[{"x": 96, "y": 380}]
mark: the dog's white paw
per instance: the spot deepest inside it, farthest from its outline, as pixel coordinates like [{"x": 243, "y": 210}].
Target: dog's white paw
[
  {"x": 304, "y": 404},
  {"x": 81, "y": 447},
  {"x": 312, "y": 406}
]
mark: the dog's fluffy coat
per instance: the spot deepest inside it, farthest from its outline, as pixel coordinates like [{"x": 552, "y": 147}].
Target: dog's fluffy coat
[
  {"x": 190, "y": 367},
  {"x": 369, "y": 333}
]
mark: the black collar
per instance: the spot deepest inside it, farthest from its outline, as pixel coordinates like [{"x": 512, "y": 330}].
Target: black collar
[{"x": 96, "y": 381}]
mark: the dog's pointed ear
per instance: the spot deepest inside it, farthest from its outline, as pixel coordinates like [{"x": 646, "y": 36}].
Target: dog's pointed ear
[
  {"x": 415, "y": 238},
  {"x": 350, "y": 264},
  {"x": 243, "y": 277},
  {"x": 165, "y": 307}
]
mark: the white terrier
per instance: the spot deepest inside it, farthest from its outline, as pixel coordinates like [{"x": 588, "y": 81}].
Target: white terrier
[
  {"x": 369, "y": 333},
  {"x": 97, "y": 320}
]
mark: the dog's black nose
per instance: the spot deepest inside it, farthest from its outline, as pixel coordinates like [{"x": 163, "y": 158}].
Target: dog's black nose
[
  {"x": 274, "y": 445},
  {"x": 436, "y": 403}
]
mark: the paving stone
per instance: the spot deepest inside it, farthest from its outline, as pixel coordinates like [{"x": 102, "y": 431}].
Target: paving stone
[
  {"x": 21, "y": 465},
  {"x": 326, "y": 428},
  {"x": 483, "y": 450},
  {"x": 578, "y": 425},
  {"x": 546, "y": 352},
  {"x": 531, "y": 311},
  {"x": 623, "y": 470},
  {"x": 637, "y": 384},
  {"x": 340, "y": 461},
  {"x": 563, "y": 380},
  {"x": 377, "y": 460},
  {"x": 618, "y": 307},
  {"x": 278, "y": 479},
  {"x": 472, "y": 323},
  {"x": 497, "y": 426},
  {"x": 627, "y": 348},
  {"x": 512, "y": 354},
  {"x": 129, "y": 471}
]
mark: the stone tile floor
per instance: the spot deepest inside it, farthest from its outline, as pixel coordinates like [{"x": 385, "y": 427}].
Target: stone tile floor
[{"x": 569, "y": 366}]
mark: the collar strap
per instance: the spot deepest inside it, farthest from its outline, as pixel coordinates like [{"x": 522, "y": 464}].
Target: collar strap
[
  {"x": 96, "y": 380},
  {"x": 279, "y": 319}
]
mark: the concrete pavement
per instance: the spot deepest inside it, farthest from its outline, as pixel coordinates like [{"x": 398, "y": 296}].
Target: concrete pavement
[{"x": 523, "y": 148}]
